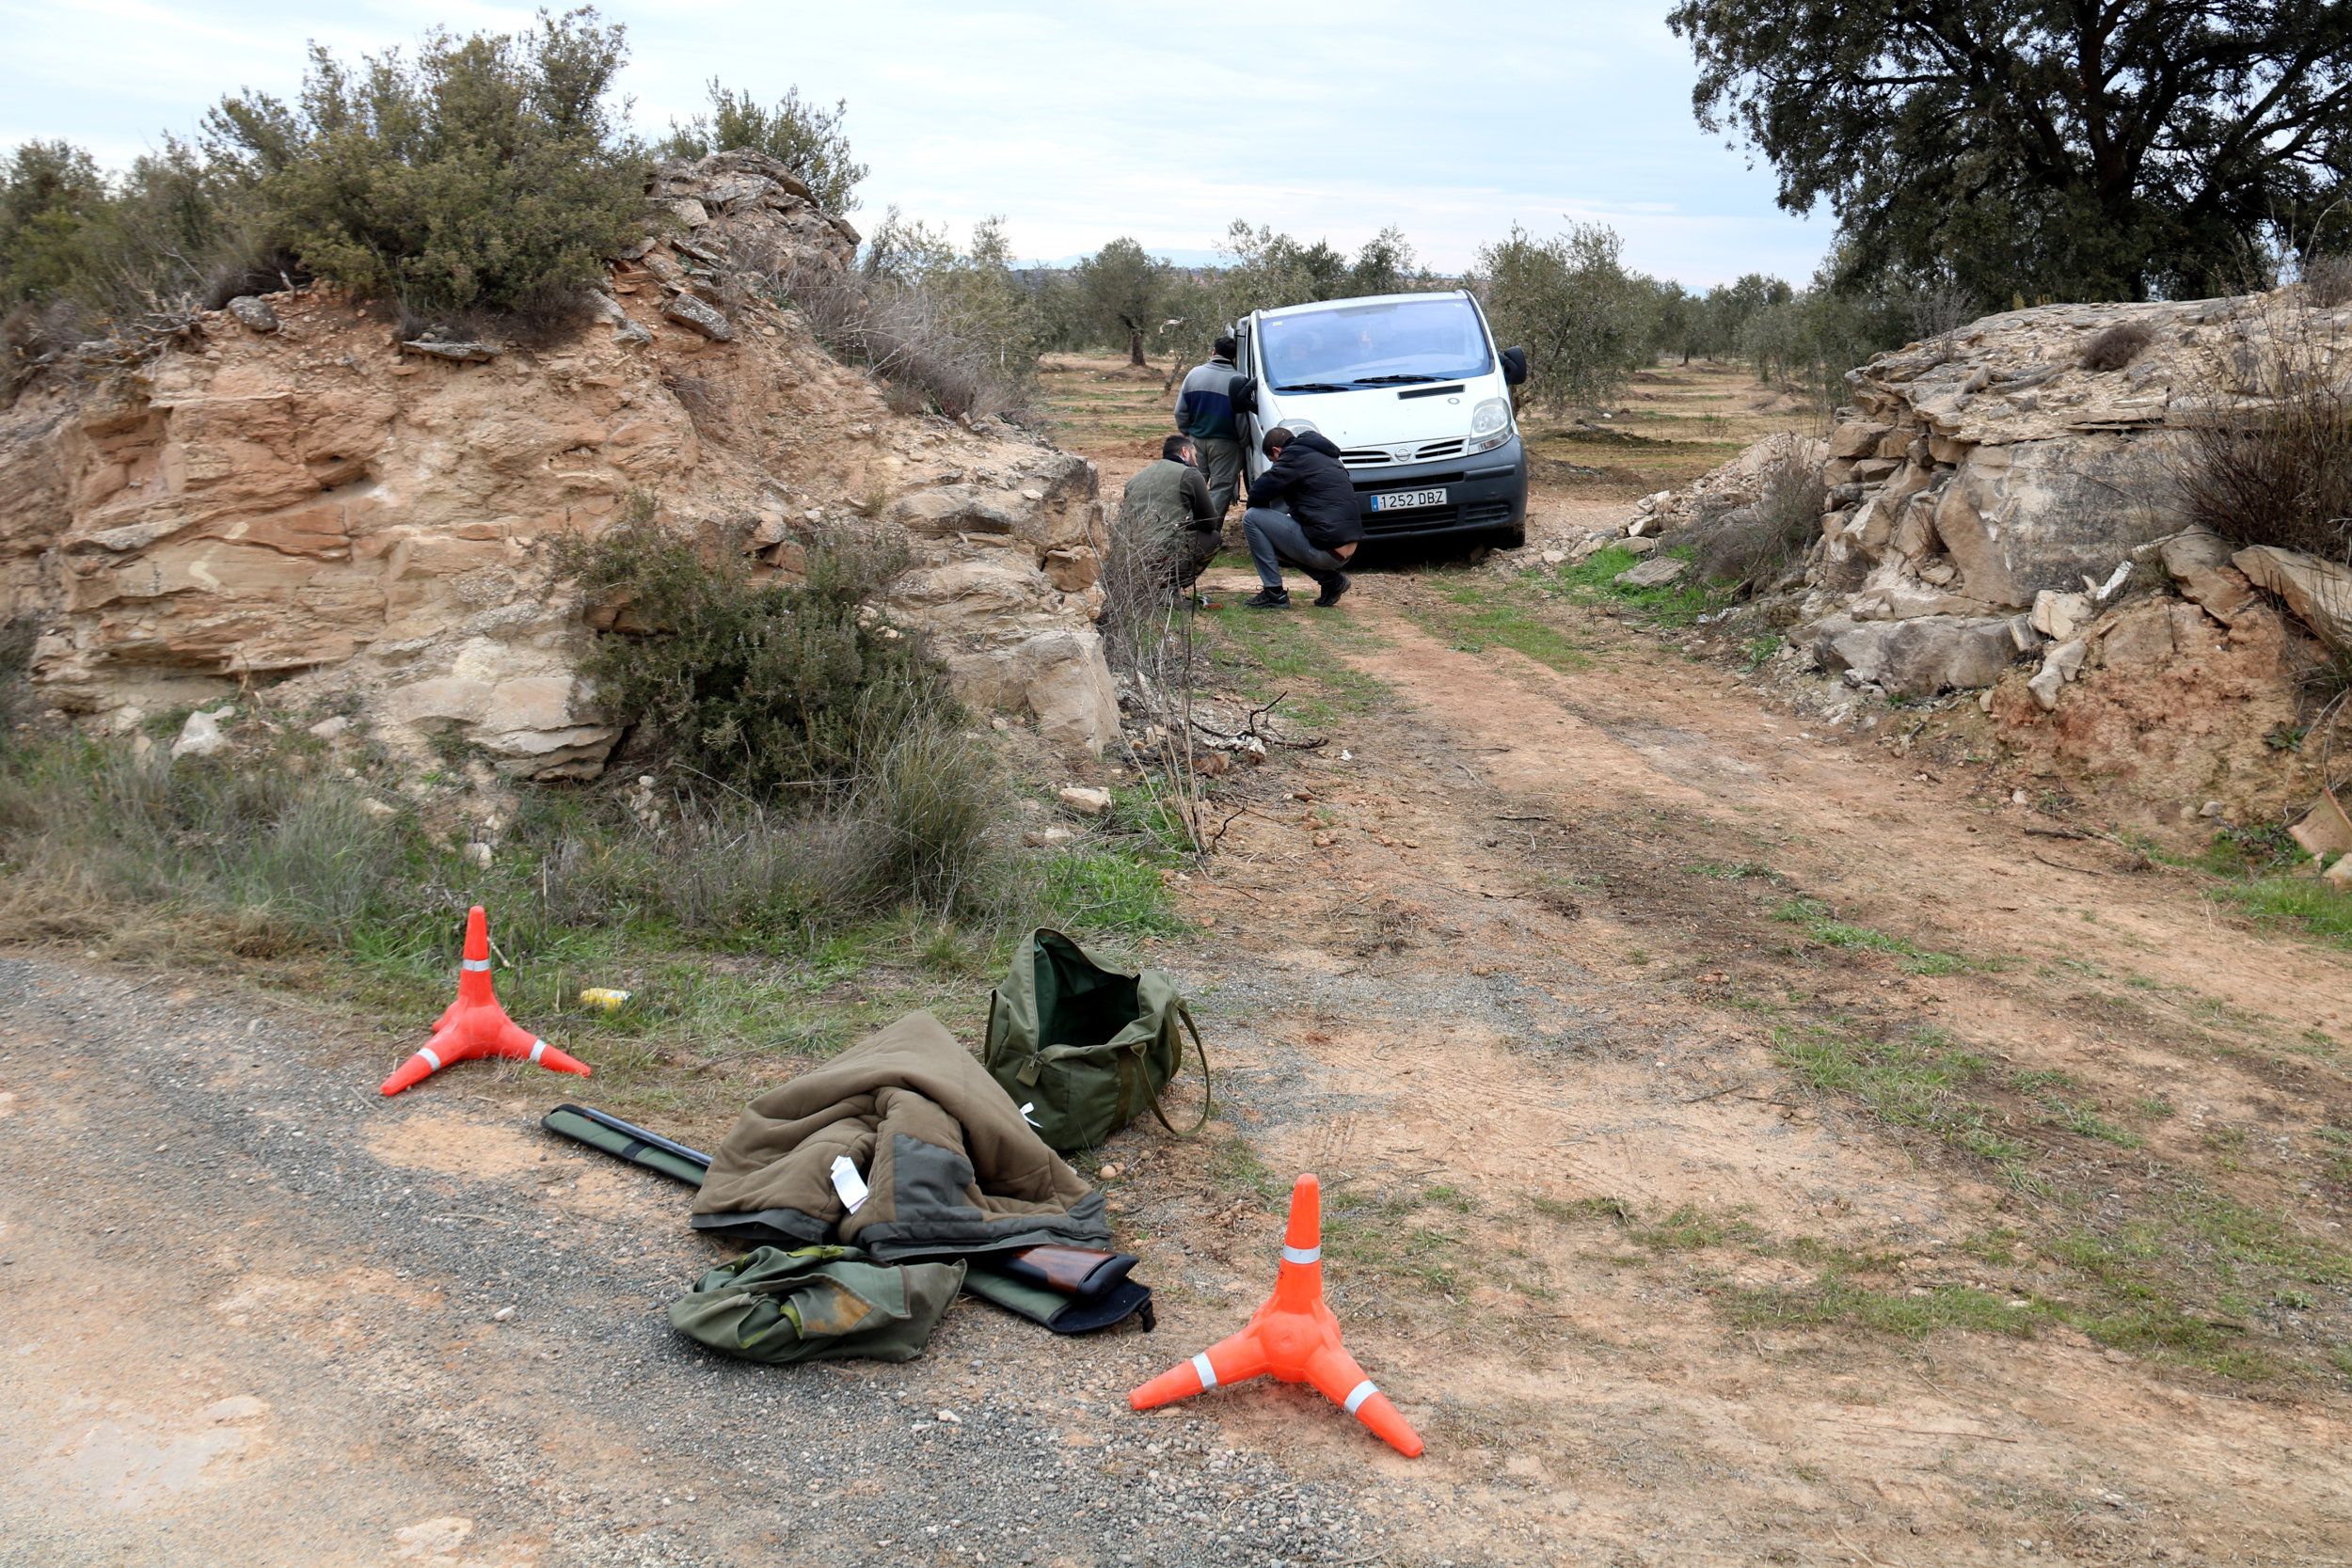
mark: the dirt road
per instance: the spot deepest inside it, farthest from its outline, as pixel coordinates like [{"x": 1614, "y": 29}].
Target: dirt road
[{"x": 1742, "y": 1144}]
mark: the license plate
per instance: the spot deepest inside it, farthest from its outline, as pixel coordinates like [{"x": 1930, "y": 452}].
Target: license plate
[{"x": 1401, "y": 500}]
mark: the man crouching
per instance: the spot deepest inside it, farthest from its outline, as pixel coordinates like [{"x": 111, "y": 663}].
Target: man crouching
[{"x": 1302, "y": 510}]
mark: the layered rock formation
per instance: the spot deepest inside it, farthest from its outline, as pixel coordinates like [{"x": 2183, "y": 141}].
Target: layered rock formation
[
  {"x": 2002, "y": 518},
  {"x": 295, "y": 496}
]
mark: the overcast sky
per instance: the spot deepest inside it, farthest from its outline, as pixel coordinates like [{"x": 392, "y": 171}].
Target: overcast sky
[{"x": 1078, "y": 122}]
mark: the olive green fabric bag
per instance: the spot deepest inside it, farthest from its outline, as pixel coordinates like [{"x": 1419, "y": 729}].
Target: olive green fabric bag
[
  {"x": 816, "y": 1304},
  {"x": 1084, "y": 1050}
]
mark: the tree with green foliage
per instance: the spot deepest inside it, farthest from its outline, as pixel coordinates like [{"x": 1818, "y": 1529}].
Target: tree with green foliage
[
  {"x": 2127, "y": 150},
  {"x": 1124, "y": 287},
  {"x": 487, "y": 172},
  {"x": 50, "y": 197},
  {"x": 1587, "y": 323},
  {"x": 805, "y": 137}
]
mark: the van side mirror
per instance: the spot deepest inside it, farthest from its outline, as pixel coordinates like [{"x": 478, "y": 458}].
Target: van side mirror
[
  {"x": 1242, "y": 390},
  {"x": 1514, "y": 366}
]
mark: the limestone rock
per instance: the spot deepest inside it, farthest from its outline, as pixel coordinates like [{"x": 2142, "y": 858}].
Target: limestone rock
[
  {"x": 1086, "y": 802},
  {"x": 704, "y": 318},
  {"x": 2059, "y": 665},
  {"x": 1656, "y": 572},
  {"x": 254, "y": 313},
  {"x": 1926, "y": 656},
  {"x": 2318, "y": 591},
  {"x": 470, "y": 353},
  {"x": 201, "y": 736},
  {"x": 2060, "y": 617}
]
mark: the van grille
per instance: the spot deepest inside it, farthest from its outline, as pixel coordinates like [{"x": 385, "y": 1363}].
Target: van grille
[{"x": 1381, "y": 457}]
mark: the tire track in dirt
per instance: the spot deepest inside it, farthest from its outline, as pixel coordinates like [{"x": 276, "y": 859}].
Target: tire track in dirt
[{"x": 1466, "y": 1011}]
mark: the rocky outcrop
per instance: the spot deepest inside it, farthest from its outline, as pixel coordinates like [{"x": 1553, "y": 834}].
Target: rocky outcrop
[{"x": 292, "y": 496}]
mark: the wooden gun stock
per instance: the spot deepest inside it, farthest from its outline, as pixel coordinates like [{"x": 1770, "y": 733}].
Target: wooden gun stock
[{"x": 1080, "y": 1272}]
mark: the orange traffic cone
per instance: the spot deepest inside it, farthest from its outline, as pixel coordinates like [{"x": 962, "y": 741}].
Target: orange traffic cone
[
  {"x": 1292, "y": 1337},
  {"x": 475, "y": 1025}
]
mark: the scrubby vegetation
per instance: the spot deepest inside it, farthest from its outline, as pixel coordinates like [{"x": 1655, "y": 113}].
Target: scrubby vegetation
[
  {"x": 949, "y": 330},
  {"x": 483, "y": 173},
  {"x": 805, "y": 138},
  {"x": 2280, "y": 471}
]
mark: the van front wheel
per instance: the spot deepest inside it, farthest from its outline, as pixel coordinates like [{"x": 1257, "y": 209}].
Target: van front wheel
[{"x": 1510, "y": 538}]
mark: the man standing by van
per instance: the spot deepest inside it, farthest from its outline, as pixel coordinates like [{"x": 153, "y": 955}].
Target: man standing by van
[
  {"x": 1204, "y": 411},
  {"x": 1302, "y": 510}
]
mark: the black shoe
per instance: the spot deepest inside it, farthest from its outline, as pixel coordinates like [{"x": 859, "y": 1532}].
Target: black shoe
[
  {"x": 1333, "y": 586},
  {"x": 1269, "y": 598}
]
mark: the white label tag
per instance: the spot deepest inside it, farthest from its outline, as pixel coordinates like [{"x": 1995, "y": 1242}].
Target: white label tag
[
  {"x": 847, "y": 1183},
  {"x": 1030, "y": 1119}
]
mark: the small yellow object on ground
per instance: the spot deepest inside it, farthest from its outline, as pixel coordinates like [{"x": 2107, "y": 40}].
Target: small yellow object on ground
[{"x": 604, "y": 997}]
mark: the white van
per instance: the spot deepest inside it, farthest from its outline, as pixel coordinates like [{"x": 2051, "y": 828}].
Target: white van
[{"x": 1412, "y": 391}]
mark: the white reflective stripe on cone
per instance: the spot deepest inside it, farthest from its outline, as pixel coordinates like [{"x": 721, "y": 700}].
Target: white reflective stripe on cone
[
  {"x": 431, "y": 1060},
  {"x": 1357, "y": 1396},
  {"x": 538, "y": 1049},
  {"x": 1302, "y": 1255},
  {"x": 1208, "y": 1374},
  {"x": 477, "y": 965}
]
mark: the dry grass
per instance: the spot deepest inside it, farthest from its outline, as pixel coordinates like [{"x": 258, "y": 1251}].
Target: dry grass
[
  {"x": 2278, "y": 472},
  {"x": 2117, "y": 347}
]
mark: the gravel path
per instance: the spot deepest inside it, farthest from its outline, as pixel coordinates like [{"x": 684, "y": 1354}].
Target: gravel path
[{"x": 255, "y": 1314}]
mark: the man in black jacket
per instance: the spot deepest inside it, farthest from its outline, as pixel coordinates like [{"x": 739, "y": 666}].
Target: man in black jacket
[{"x": 1302, "y": 510}]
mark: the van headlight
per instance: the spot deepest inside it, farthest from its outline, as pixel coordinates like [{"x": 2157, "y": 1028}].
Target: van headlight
[{"x": 1490, "y": 424}]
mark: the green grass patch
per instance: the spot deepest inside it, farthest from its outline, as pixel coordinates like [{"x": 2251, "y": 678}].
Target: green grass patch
[
  {"x": 1821, "y": 924},
  {"x": 1472, "y": 615},
  {"x": 1299, "y": 656},
  {"x": 1594, "y": 579},
  {"x": 1917, "y": 1079},
  {"x": 2308, "y": 905}
]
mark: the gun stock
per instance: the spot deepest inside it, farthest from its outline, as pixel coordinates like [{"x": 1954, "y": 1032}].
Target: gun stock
[{"x": 1080, "y": 1272}]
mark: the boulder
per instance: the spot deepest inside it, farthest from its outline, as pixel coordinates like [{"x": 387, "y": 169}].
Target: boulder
[
  {"x": 2060, "y": 617},
  {"x": 2319, "y": 592},
  {"x": 703, "y": 317},
  {"x": 254, "y": 312},
  {"x": 1922, "y": 657},
  {"x": 1085, "y": 800},
  {"x": 1656, "y": 572},
  {"x": 201, "y": 736},
  {"x": 2059, "y": 665}
]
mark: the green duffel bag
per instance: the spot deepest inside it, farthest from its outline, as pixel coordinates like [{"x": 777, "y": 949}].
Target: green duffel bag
[
  {"x": 1084, "y": 1050},
  {"x": 816, "y": 1304}
]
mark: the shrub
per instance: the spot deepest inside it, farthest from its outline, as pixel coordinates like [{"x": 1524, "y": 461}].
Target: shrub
[
  {"x": 2116, "y": 347},
  {"x": 485, "y": 172},
  {"x": 955, "y": 331},
  {"x": 280, "y": 858},
  {"x": 2279, "y": 471},
  {"x": 759, "y": 688},
  {"x": 17, "y": 636},
  {"x": 805, "y": 137},
  {"x": 1753, "y": 543},
  {"x": 2327, "y": 279}
]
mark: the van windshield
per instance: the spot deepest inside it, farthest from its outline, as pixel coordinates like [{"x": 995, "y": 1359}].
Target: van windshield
[{"x": 1393, "y": 344}]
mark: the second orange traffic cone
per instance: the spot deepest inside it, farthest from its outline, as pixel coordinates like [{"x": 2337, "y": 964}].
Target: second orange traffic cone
[
  {"x": 1294, "y": 1337},
  {"x": 475, "y": 1025}
]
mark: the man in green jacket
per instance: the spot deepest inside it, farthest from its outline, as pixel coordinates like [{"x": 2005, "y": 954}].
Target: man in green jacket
[{"x": 1166, "y": 512}]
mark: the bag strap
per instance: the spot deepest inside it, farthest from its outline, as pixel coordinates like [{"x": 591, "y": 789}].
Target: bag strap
[
  {"x": 988, "y": 1040},
  {"x": 1207, "y": 1103}
]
